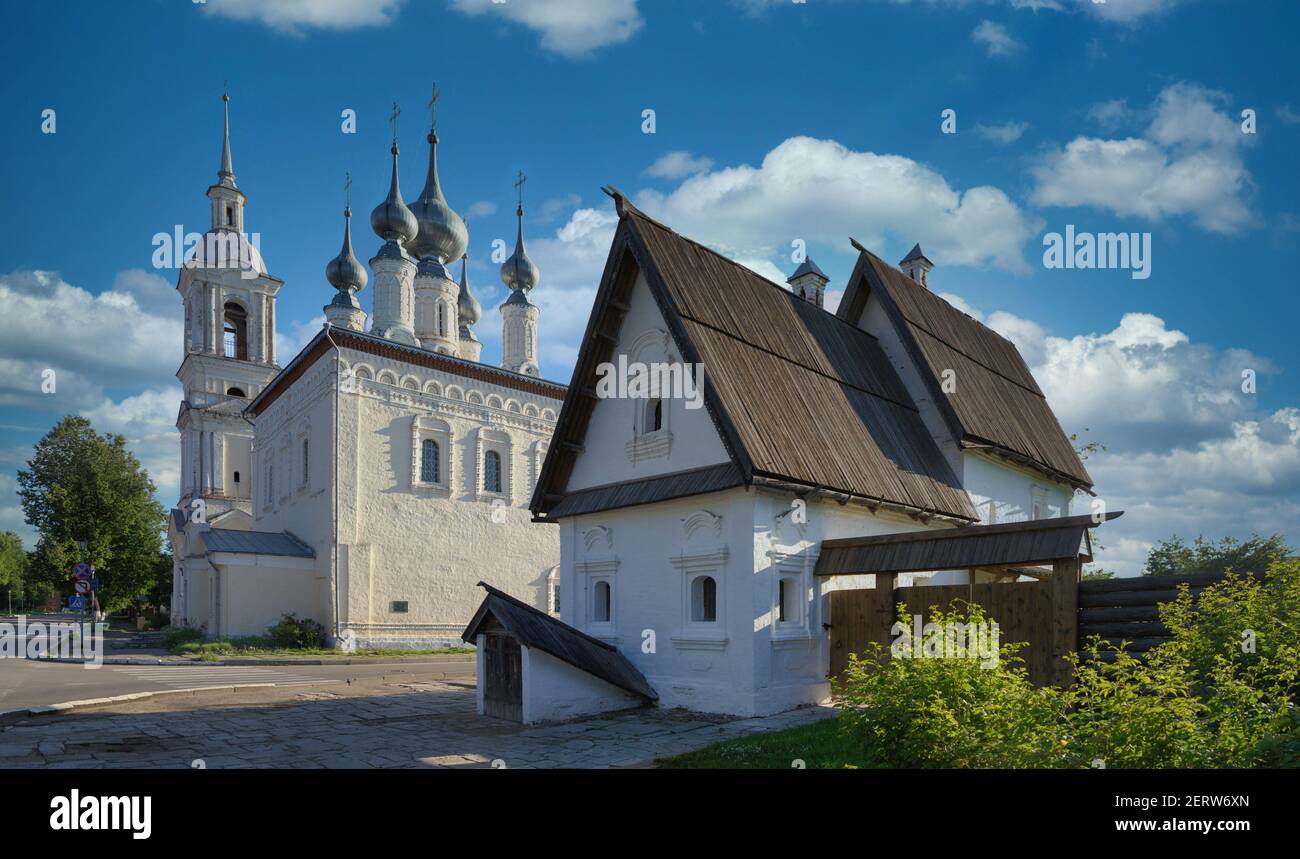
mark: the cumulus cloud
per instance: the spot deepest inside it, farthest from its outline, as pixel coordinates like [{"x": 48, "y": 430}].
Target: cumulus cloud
[
  {"x": 678, "y": 165},
  {"x": 822, "y": 191},
  {"x": 481, "y": 209},
  {"x": 1186, "y": 450},
  {"x": 570, "y": 29},
  {"x": 1004, "y": 134},
  {"x": 293, "y": 17},
  {"x": 1188, "y": 162},
  {"x": 122, "y": 378},
  {"x": 996, "y": 40}
]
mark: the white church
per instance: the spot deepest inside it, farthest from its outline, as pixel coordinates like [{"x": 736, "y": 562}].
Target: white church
[
  {"x": 373, "y": 479},
  {"x": 699, "y": 547}
]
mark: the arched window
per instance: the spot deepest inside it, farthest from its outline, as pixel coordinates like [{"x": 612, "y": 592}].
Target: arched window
[
  {"x": 235, "y": 392},
  {"x": 306, "y": 463},
  {"x": 442, "y": 320},
  {"x": 429, "y": 465},
  {"x": 654, "y": 415},
  {"x": 553, "y": 585},
  {"x": 230, "y": 216},
  {"x": 492, "y": 471},
  {"x": 704, "y": 599},
  {"x": 601, "y": 605},
  {"x": 235, "y": 329}
]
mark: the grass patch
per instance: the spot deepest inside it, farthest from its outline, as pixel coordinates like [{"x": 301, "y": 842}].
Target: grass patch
[
  {"x": 254, "y": 646},
  {"x": 820, "y": 745}
]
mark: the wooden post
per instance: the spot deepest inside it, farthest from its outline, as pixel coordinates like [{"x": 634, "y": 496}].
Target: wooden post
[
  {"x": 1065, "y": 618},
  {"x": 883, "y": 608}
]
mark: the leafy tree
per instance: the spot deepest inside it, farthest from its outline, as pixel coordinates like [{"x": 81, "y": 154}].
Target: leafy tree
[
  {"x": 80, "y": 485},
  {"x": 1253, "y": 555},
  {"x": 1098, "y": 574},
  {"x": 13, "y": 565}
]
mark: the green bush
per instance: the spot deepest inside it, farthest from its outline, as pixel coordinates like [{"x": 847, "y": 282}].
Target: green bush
[
  {"x": 1203, "y": 699},
  {"x": 948, "y": 712},
  {"x": 175, "y": 636},
  {"x": 294, "y": 634}
]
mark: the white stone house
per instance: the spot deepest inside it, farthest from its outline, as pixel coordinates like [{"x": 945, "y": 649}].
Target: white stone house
[
  {"x": 689, "y": 538},
  {"x": 375, "y": 478}
]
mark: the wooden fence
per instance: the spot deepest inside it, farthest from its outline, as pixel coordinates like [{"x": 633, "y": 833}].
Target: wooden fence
[
  {"x": 1037, "y": 613},
  {"x": 1128, "y": 609},
  {"x": 1023, "y": 611}
]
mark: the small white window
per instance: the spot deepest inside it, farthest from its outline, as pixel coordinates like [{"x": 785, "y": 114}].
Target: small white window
[
  {"x": 492, "y": 471},
  {"x": 601, "y": 602},
  {"x": 704, "y": 599},
  {"x": 787, "y": 601},
  {"x": 654, "y": 415},
  {"x": 429, "y": 465},
  {"x": 553, "y": 591}
]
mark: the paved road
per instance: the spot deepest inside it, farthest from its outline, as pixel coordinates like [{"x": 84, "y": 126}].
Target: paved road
[
  {"x": 408, "y": 721},
  {"x": 28, "y": 683}
]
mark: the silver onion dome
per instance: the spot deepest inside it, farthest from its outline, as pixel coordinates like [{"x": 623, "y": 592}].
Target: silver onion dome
[
  {"x": 345, "y": 272},
  {"x": 441, "y": 233},
  {"x": 519, "y": 272},
  {"x": 467, "y": 306},
  {"x": 391, "y": 220}
]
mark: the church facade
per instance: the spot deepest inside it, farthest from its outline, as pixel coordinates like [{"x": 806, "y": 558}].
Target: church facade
[{"x": 371, "y": 481}]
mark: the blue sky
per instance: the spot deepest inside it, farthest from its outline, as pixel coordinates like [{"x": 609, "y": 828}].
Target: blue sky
[{"x": 775, "y": 121}]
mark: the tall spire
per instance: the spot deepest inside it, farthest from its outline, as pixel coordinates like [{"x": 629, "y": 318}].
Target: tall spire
[
  {"x": 467, "y": 306},
  {"x": 519, "y": 272},
  {"x": 227, "y": 171},
  {"x": 345, "y": 272},
  {"x": 442, "y": 234},
  {"x": 392, "y": 220}
]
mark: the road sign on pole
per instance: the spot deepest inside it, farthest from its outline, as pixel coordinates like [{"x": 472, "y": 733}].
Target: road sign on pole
[
  {"x": 82, "y": 586},
  {"x": 81, "y": 571}
]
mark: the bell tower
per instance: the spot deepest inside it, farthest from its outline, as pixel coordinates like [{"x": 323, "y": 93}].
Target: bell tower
[{"x": 229, "y": 339}]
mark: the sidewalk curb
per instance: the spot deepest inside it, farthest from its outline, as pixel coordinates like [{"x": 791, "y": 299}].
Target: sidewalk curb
[
  {"x": 19, "y": 713},
  {"x": 374, "y": 660}
]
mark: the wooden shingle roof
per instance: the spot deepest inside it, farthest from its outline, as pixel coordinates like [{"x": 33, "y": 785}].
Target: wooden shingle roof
[
  {"x": 997, "y": 404},
  {"x": 797, "y": 395},
  {"x": 534, "y": 628}
]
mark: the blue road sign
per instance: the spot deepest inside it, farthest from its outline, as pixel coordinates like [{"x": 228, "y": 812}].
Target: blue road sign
[
  {"x": 77, "y": 603},
  {"x": 81, "y": 571}
]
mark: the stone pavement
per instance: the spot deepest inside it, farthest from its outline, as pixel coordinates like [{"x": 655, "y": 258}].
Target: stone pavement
[{"x": 405, "y": 725}]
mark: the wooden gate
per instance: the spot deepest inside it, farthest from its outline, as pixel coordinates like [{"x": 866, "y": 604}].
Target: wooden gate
[
  {"x": 1023, "y": 611},
  {"x": 503, "y": 689}
]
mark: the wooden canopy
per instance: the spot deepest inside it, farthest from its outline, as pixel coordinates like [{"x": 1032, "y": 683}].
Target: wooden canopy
[{"x": 1039, "y": 541}]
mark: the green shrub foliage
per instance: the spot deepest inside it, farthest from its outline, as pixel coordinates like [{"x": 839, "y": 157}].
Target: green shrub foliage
[{"x": 1221, "y": 693}]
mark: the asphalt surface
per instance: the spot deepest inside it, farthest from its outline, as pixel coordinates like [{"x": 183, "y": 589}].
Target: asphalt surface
[{"x": 33, "y": 683}]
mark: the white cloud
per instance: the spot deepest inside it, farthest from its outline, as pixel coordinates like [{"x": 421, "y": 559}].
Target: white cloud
[
  {"x": 292, "y": 17},
  {"x": 678, "y": 165},
  {"x": 1004, "y": 134},
  {"x": 822, "y": 191},
  {"x": 1128, "y": 11},
  {"x": 995, "y": 39},
  {"x": 567, "y": 28},
  {"x": 1187, "y": 163},
  {"x": 1186, "y": 451},
  {"x": 481, "y": 209},
  {"x": 1288, "y": 115},
  {"x": 1110, "y": 114},
  {"x": 289, "y": 343}
]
